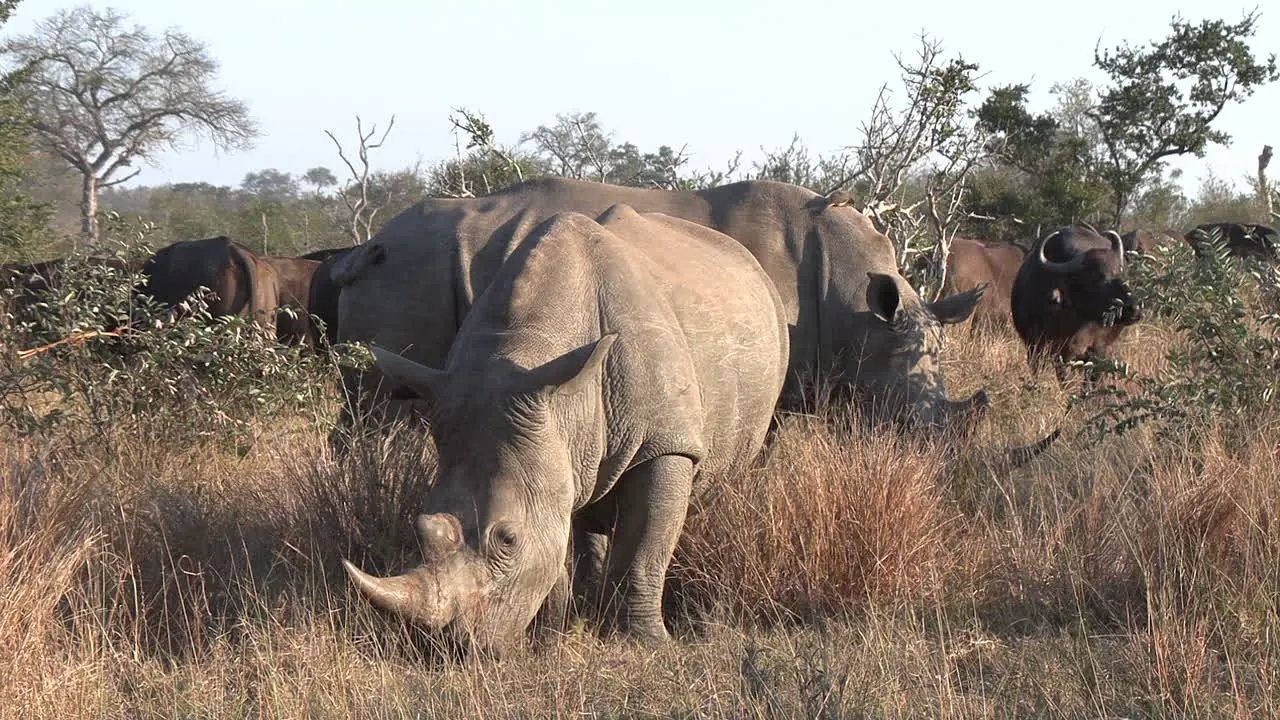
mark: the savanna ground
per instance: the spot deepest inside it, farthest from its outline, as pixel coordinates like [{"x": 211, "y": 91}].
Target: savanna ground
[{"x": 858, "y": 574}]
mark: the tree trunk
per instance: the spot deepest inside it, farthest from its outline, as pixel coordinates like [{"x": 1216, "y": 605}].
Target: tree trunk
[
  {"x": 89, "y": 209},
  {"x": 1264, "y": 187}
]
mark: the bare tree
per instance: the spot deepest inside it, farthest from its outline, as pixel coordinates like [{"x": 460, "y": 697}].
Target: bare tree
[
  {"x": 914, "y": 163},
  {"x": 355, "y": 193},
  {"x": 104, "y": 94},
  {"x": 479, "y": 136}
]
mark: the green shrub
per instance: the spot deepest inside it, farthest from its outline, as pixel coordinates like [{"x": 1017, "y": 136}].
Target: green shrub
[
  {"x": 1226, "y": 364},
  {"x": 181, "y": 376}
]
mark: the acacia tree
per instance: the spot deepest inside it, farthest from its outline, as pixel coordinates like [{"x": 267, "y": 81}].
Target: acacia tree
[
  {"x": 1055, "y": 156},
  {"x": 1163, "y": 99},
  {"x": 20, "y": 216},
  {"x": 578, "y": 146},
  {"x": 104, "y": 94}
]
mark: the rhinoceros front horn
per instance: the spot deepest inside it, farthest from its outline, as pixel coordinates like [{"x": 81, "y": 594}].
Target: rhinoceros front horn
[
  {"x": 418, "y": 596},
  {"x": 415, "y": 596}
]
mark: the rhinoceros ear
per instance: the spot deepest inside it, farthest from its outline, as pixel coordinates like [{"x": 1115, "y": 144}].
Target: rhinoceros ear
[
  {"x": 421, "y": 381},
  {"x": 883, "y": 297},
  {"x": 575, "y": 371},
  {"x": 958, "y": 307}
]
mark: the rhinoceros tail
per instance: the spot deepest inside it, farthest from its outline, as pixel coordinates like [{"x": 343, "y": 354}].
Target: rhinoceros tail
[
  {"x": 351, "y": 266},
  {"x": 1016, "y": 457}
]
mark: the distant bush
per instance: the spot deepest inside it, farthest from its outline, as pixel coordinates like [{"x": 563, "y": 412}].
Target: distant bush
[
  {"x": 110, "y": 360},
  {"x": 1226, "y": 365}
]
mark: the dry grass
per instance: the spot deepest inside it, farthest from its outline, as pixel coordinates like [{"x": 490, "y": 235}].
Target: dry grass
[{"x": 857, "y": 574}]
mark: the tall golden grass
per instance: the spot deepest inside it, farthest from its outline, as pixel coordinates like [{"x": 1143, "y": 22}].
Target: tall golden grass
[{"x": 856, "y": 573}]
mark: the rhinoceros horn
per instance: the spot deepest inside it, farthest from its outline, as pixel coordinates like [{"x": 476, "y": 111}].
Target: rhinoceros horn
[{"x": 418, "y": 596}]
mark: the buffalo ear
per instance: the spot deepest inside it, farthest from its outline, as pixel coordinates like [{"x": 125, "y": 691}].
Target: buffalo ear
[
  {"x": 410, "y": 379},
  {"x": 957, "y": 308},
  {"x": 883, "y": 297}
]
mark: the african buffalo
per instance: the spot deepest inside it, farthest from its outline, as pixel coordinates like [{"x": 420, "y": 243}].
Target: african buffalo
[
  {"x": 294, "y": 278},
  {"x": 1246, "y": 240},
  {"x": 853, "y": 319},
  {"x": 610, "y": 369},
  {"x": 31, "y": 282},
  {"x": 974, "y": 263},
  {"x": 243, "y": 283},
  {"x": 1070, "y": 298},
  {"x": 322, "y": 299}
]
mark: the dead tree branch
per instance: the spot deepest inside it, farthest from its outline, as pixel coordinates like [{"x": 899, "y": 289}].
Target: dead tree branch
[{"x": 355, "y": 195}]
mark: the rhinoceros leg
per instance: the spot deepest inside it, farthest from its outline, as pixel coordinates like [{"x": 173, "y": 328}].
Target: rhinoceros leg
[
  {"x": 590, "y": 550},
  {"x": 651, "y": 513}
]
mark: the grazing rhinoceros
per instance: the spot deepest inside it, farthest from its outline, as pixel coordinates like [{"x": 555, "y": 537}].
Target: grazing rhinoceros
[
  {"x": 854, "y": 320},
  {"x": 610, "y": 368}
]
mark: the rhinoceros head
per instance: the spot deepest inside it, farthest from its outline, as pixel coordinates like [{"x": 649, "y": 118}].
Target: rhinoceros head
[
  {"x": 496, "y": 533},
  {"x": 901, "y": 367}
]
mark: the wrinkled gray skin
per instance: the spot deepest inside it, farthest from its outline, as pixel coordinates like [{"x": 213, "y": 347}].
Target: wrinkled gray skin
[
  {"x": 852, "y": 317},
  {"x": 1071, "y": 300},
  {"x": 605, "y": 373}
]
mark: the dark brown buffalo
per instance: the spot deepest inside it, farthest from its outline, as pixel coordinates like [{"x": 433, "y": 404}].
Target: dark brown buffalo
[
  {"x": 1070, "y": 298},
  {"x": 322, "y": 301},
  {"x": 294, "y": 276},
  {"x": 32, "y": 281},
  {"x": 243, "y": 283},
  {"x": 975, "y": 263},
  {"x": 1247, "y": 240}
]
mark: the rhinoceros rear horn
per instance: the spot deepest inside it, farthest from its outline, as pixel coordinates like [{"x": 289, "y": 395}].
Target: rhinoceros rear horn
[
  {"x": 415, "y": 378},
  {"x": 574, "y": 371},
  {"x": 440, "y": 534}
]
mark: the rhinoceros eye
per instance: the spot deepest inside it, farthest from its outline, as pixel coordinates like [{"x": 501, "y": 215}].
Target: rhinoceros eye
[{"x": 504, "y": 537}]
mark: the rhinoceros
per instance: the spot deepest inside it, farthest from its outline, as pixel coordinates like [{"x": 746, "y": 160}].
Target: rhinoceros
[
  {"x": 853, "y": 319},
  {"x": 611, "y": 368}
]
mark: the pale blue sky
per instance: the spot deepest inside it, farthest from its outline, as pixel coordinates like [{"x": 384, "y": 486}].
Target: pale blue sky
[{"x": 720, "y": 76}]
